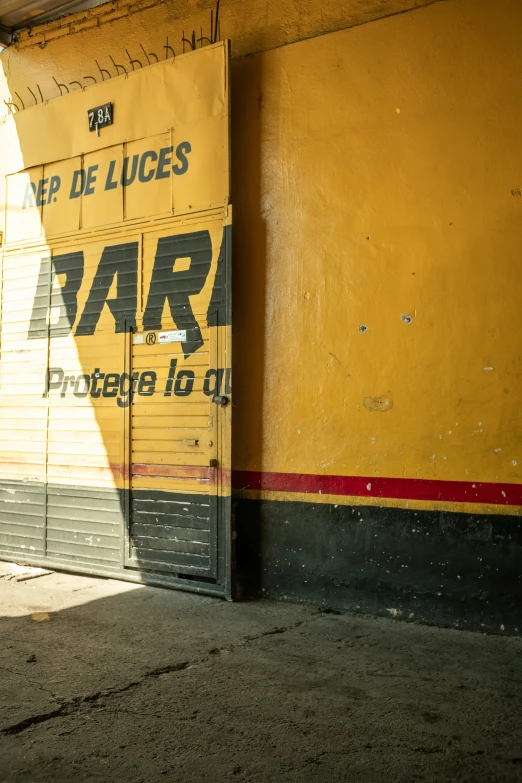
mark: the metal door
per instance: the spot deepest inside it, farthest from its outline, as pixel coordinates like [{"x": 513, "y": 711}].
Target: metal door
[
  {"x": 115, "y": 319},
  {"x": 179, "y": 416}
]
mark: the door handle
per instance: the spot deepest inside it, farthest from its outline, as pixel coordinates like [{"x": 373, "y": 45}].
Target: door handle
[{"x": 220, "y": 399}]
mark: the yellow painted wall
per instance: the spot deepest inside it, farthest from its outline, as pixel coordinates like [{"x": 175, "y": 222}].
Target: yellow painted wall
[
  {"x": 375, "y": 175},
  {"x": 382, "y": 162}
]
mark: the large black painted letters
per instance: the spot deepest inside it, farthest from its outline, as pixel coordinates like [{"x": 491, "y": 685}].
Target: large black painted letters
[
  {"x": 120, "y": 260},
  {"x": 64, "y": 298},
  {"x": 176, "y": 287},
  {"x": 168, "y": 283}
]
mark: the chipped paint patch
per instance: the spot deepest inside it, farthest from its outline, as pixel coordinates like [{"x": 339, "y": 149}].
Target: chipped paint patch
[{"x": 381, "y": 404}]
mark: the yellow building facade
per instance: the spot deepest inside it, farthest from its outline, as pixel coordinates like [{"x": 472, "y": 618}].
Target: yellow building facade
[{"x": 375, "y": 178}]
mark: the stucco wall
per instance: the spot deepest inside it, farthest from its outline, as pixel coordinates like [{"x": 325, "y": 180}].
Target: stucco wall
[{"x": 375, "y": 177}]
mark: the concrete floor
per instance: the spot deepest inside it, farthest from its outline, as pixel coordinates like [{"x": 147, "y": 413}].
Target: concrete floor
[{"x": 107, "y": 681}]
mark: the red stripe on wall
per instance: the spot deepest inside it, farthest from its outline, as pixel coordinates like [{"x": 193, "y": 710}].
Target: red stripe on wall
[{"x": 403, "y": 488}]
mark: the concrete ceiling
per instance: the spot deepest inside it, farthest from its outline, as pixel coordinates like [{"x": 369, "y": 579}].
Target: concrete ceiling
[{"x": 15, "y": 14}]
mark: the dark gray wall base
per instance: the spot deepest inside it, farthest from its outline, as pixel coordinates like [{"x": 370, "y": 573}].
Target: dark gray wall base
[{"x": 442, "y": 568}]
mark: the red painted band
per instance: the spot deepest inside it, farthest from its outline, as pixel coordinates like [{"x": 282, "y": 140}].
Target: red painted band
[{"x": 371, "y": 487}]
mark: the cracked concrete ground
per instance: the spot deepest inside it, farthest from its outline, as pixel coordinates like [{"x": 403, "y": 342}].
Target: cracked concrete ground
[{"x": 108, "y": 681}]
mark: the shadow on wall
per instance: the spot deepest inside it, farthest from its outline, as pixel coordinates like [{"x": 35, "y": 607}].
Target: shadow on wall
[{"x": 248, "y": 291}]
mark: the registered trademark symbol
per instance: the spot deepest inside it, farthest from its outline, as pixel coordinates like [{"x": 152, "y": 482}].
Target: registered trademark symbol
[{"x": 151, "y": 338}]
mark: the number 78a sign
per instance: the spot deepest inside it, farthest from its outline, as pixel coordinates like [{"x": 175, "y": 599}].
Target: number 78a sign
[{"x": 100, "y": 116}]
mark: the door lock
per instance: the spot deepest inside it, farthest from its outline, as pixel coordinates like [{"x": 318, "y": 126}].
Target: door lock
[{"x": 220, "y": 399}]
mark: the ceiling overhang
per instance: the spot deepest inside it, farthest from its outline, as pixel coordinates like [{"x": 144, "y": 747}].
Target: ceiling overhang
[
  {"x": 17, "y": 14},
  {"x": 6, "y": 36}
]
